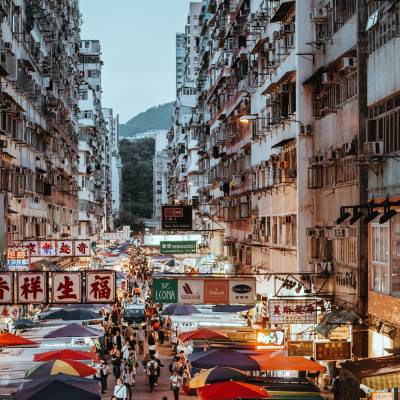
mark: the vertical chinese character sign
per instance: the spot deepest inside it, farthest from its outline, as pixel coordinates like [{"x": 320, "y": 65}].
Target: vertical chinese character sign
[
  {"x": 47, "y": 248},
  {"x": 66, "y": 287},
  {"x": 33, "y": 248},
  {"x": 64, "y": 248},
  {"x": 82, "y": 248},
  {"x": 31, "y": 287},
  {"x": 100, "y": 287},
  {"x": 6, "y": 288}
]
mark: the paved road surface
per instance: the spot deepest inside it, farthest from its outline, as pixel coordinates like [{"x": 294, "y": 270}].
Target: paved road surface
[{"x": 141, "y": 392}]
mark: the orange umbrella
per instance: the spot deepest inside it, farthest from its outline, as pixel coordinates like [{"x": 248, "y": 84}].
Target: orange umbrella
[
  {"x": 9, "y": 339},
  {"x": 286, "y": 363},
  {"x": 65, "y": 354},
  {"x": 199, "y": 334},
  {"x": 232, "y": 390}
]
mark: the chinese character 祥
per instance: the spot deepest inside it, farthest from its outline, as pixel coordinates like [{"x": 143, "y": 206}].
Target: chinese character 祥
[
  {"x": 82, "y": 247},
  {"x": 65, "y": 248},
  {"x": 31, "y": 286},
  {"x": 3, "y": 288},
  {"x": 67, "y": 289},
  {"x": 100, "y": 287}
]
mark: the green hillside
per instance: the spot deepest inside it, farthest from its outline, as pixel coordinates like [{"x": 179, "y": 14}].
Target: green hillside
[{"x": 158, "y": 117}]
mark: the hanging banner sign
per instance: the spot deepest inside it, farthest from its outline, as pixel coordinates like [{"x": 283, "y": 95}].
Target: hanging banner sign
[
  {"x": 66, "y": 287},
  {"x": 282, "y": 311},
  {"x": 303, "y": 348},
  {"x": 165, "y": 291},
  {"x": 204, "y": 291},
  {"x": 6, "y": 288},
  {"x": 191, "y": 291},
  {"x": 100, "y": 287},
  {"x": 17, "y": 259},
  {"x": 332, "y": 351},
  {"x": 340, "y": 333},
  {"x": 269, "y": 339},
  {"x": 31, "y": 288},
  {"x": 176, "y": 218},
  {"x": 183, "y": 247},
  {"x": 58, "y": 248}
]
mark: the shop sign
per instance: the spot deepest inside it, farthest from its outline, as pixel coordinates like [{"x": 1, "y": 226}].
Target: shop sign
[
  {"x": 100, "y": 287},
  {"x": 31, "y": 288},
  {"x": 176, "y": 218},
  {"x": 382, "y": 396},
  {"x": 191, "y": 291},
  {"x": 342, "y": 332},
  {"x": 165, "y": 291},
  {"x": 216, "y": 291},
  {"x": 67, "y": 287},
  {"x": 58, "y": 248},
  {"x": 303, "y": 348},
  {"x": 183, "y": 247},
  {"x": 333, "y": 351},
  {"x": 292, "y": 311},
  {"x": 242, "y": 292},
  {"x": 269, "y": 339},
  {"x": 6, "y": 288},
  {"x": 17, "y": 259}
]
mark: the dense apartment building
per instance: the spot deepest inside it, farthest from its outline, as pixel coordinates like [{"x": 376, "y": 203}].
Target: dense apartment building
[
  {"x": 94, "y": 178},
  {"x": 160, "y": 173},
  {"x": 55, "y": 164},
  {"x": 295, "y": 128},
  {"x": 115, "y": 170},
  {"x": 39, "y": 76}
]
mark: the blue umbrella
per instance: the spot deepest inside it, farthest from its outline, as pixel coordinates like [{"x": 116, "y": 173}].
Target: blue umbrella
[{"x": 180, "y": 309}]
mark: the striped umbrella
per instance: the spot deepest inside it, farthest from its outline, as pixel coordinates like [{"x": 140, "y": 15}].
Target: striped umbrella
[
  {"x": 217, "y": 374},
  {"x": 68, "y": 367}
]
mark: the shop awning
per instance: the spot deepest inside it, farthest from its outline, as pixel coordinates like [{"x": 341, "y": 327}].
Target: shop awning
[
  {"x": 334, "y": 319},
  {"x": 376, "y": 373},
  {"x": 282, "y": 10}
]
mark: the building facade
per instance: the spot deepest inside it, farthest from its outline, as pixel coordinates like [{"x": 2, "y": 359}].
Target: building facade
[
  {"x": 280, "y": 121},
  {"x": 160, "y": 174},
  {"x": 39, "y": 54}
]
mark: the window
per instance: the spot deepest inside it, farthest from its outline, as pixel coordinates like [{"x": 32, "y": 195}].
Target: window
[
  {"x": 380, "y": 257},
  {"x": 345, "y": 250}
]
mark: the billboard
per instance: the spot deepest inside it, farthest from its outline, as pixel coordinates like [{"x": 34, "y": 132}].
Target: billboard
[
  {"x": 57, "y": 248},
  {"x": 270, "y": 339},
  {"x": 176, "y": 218},
  {"x": 187, "y": 290}
]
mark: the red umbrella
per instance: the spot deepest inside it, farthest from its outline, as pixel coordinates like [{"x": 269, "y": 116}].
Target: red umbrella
[
  {"x": 9, "y": 339},
  {"x": 199, "y": 334},
  {"x": 232, "y": 390},
  {"x": 65, "y": 354}
]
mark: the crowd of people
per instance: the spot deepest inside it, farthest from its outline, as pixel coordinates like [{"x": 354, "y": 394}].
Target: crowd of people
[{"x": 126, "y": 348}]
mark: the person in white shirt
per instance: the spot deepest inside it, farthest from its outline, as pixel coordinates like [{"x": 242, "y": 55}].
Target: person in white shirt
[
  {"x": 120, "y": 391},
  {"x": 176, "y": 383}
]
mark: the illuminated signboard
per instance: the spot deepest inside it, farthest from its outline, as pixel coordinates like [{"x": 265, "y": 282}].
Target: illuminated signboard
[
  {"x": 269, "y": 339},
  {"x": 303, "y": 348},
  {"x": 333, "y": 350},
  {"x": 17, "y": 259},
  {"x": 176, "y": 218},
  {"x": 288, "y": 311}
]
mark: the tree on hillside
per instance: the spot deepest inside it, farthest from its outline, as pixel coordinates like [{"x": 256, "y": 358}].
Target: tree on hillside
[{"x": 137, "y": 177}]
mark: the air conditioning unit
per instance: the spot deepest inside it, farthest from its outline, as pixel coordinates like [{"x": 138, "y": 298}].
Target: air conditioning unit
[
  {"x": 348, "y": 63},
  {"x": 316, "y": 159},
  {"x": 341, "y": 233},
  {"x": 319, "y": 14},
  {"x": 327, "y": 77},
  {"x": 374, "y": 148},
  {"x": 310, "y": 232},
  {"x": 319, "y": 232}
]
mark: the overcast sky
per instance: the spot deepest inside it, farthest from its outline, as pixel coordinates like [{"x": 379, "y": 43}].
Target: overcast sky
[{"x": 138, "y": 46}]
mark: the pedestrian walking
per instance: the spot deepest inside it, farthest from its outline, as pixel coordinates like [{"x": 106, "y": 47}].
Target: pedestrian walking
[
  {"x": 151, "y": 341},
  {"x": 120, "y": 392},
  {"x": 176, "y": 383},
  {"x": 140, "y": 336},
  {"x": 152, "y": 366},
  {"x": 104, "y": 372},
  {"x": 116, "y": 362},
  {"x": 128, "y": 380}
]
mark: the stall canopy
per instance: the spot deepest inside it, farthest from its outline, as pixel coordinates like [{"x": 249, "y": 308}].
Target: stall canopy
[
  {"x": 65, "y": 354},
  {"x": 68, "y": 367},
  {"x": 376, "y": 373},
  {"x": 334, "y": 319},
  {"x": 217, "y": 374},
  {"x": 232, "y": 391},
  {"x": 231, "y": 308},
  {"x": 60, "y": 387},
  {"x": 9, "y": 339},
  {"x": 74, "y": 330},
  {"x": 201, "y": 334},
  {"x": 286, "y": 363},
  {"x": 180, "y": 309}
]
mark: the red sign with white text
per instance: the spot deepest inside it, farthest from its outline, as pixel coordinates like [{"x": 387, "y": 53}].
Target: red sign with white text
[
  {"x": 31, "y": 287},
  {"x": 66, "y": 287},
  {"x": 100, "y": 287},
  {"x": 216, "y": 291}
]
